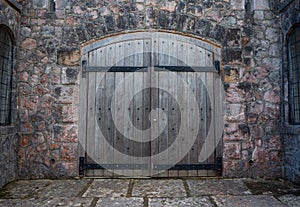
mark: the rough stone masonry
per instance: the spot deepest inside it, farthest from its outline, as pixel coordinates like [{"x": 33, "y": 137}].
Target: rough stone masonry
[
  {"x": 48, "y": 73},
  {"x": 9, "y": 18}
]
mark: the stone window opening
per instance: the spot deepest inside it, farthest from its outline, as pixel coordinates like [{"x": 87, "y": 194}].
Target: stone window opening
[
  {"x": 52, "y": 5},
  {"x": 6, "y": 71},
  {"x": 294, "y": 75},
  {"x": 248, "y": 6}
]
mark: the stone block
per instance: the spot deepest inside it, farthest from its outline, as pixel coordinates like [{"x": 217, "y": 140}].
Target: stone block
[
  {"x": 238, "y": 4},
  {"x": 29, "y": 44},
  {"x": 247, "y": 201},
  {"x": 65, "y": 133},
  {"x": 232, "y": 150},
  {"x": 231, "y": 75},
  {"x": 261, "y": 5},
  {"x": 132, "y": 202},
  {"x": 234, "y": 95},
  {"x": 235, "y": 132},
  {"x": 40, "y": 4},
  {"x": 272, "y": 96},
  {"x": 168, "y": 202},
  {"x": 232, "y": 56},
  {"x": 69, "y": 58},
  {"x": 217, "y": 187},
  {"x": 69, "y": 75},
  {"x": 69, "y": 152},
  {"x": 64, "y": 94},
  {"x": 235, "y": 112},
  {"x": 260, "y": 155},
  {"x": 102, "y": 188},
  {"x": 26, "y": 128},
  {"x": 159, "y": 188},
  {"x": 68, "y": 114},
  {"x": 274, "y": 143}
]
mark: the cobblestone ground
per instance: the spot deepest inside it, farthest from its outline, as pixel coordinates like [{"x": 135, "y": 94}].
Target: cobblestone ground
[{"x": 151, "y": 192}]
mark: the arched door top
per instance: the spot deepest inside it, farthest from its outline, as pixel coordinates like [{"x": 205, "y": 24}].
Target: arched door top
[
  {"x": 205, "y": 44},
  {"x": 144, "y": 49}
]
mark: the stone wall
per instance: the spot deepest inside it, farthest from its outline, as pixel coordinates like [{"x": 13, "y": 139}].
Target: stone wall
[
  {"x": 49, "y": 71},
  {"x": 10, "y": 17},
  {"x": 291, "y": 133}
]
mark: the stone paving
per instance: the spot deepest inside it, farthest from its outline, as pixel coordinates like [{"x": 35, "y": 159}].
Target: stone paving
[{"x": 151, "y": 193}]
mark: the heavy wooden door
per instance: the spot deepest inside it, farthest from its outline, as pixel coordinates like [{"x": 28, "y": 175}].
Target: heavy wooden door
[{"x": 150, "y": 106}]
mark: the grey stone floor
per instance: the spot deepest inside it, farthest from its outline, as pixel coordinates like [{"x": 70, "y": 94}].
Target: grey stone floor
[{"x": 151, "y": 193}]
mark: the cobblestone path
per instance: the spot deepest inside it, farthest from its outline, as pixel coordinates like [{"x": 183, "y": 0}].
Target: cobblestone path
[{"x": 151, "y": 192}]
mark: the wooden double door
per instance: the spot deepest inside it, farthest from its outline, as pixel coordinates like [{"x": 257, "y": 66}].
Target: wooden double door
[{"x": 150, "y": 106}]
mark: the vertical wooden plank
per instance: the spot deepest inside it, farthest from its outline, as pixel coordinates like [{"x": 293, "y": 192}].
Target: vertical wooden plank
[
  {"x": 182, "y": 54},
  {"x": 91, "y": 110},
  {"x": 137, "y": 119},
  {"x": 164, "y": 52},
  {"x": 147, "y": 53},
  {"x": 174, "y": 119},
  {"x": 111, "y": 55},
  {"x": 138, "y": 53},
  {"x": 129, "y": 54},
  {"x": 91, "y": 120},
  {"x": 173, "y": 52},
  {"x": 191, "y": 58},
  {"x": 146, "y": 124},
  {"x": 202, "y": 97},
  {"x": 128, "y": 113},
  {"x": 208, "y": 58},
  {"x": 184, "y": 123},
  {"x": 154, "y": 121},
  {"x": 211, "y": 112},
  {"x": 101, "y": 87},
  {"x": 119, "y": 142},
  {"x": 92, "y": 58},
  {"x": 193, "y": 153},
  {"x": 155, "y": 51},
  {"x": 120, "y": 54},
  {"x": 99, "y": 137},
  {"x": 109, "y": 127},
  {"x": 164, "y": 106},
  {"x": 198, "y": 57}
]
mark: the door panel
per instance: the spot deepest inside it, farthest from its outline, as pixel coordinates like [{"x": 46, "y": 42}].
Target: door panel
[{"x": 142, "y": 122}]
